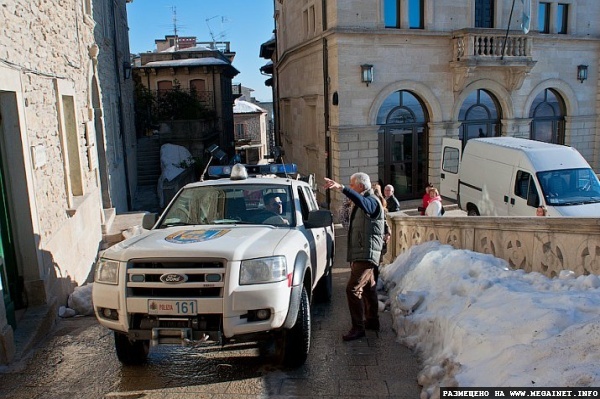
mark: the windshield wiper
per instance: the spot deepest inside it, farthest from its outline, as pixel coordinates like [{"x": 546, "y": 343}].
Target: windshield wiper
[
  {"x": 230, "y": 221},
  {"x": 172, "y": 224}
]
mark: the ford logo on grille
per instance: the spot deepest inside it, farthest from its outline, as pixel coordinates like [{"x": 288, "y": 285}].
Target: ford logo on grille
[{"x": 173, "y": 278}]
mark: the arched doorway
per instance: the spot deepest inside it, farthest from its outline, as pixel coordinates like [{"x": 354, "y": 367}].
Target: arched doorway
[
  {"x": 480, "y": 115},
  {"x": 403, "y": 145},
  {"x": 548, "y": 117}
]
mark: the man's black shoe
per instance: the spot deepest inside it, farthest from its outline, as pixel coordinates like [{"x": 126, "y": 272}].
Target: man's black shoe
[
  {"x": 353, "y": 334},
  {"x": 372, "y": 324}
]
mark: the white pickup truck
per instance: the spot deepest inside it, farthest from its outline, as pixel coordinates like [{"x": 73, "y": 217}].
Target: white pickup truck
[{"x": 219, "y": 268}]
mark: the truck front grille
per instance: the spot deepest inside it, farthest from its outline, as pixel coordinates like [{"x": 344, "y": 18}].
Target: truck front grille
[{"x": 175, "y": 278}]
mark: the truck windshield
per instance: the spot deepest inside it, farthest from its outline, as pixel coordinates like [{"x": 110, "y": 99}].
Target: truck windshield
[
  {"x": 570, "y": 186},
  {"x": 231, "y": 204}
]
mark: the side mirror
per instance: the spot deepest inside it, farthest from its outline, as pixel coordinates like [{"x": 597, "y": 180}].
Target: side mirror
[
  {"x": 149, "y": 220},
  {"x": 319, "y": 218}
]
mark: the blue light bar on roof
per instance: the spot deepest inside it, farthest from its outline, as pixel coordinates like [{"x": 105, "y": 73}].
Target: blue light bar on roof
[{"x": 218, "y": 171}]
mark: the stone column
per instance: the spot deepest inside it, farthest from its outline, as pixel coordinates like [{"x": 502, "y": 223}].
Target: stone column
[
  {"x": 520, "y": 128},
  {"x": 437, "y": 131}
]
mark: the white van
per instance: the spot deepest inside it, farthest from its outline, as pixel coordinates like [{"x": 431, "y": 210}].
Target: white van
[{"x": 508, "y": 176}]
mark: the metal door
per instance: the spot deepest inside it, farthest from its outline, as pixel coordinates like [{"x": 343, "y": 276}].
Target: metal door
[{"x": 405, "y": 160}]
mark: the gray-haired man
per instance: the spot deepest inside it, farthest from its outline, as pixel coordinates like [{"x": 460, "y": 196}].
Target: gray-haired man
[{"x": 365, "y": 240}]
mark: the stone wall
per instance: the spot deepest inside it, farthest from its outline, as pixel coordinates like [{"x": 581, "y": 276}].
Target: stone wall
[
  {"x": 419, "y": 61},
  {"x": 53, "y": 124},
  {"x": 546, "y": 245}
]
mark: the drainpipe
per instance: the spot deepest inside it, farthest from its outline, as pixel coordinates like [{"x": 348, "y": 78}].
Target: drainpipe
[
  {"x": 275, "y": 90},
  {"x": 221, "y": 140},
  {"x": 120, "y": 97},
  {"x": 328, "y": 162}
]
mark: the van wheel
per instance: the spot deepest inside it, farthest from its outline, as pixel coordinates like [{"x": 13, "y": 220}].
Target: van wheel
[
  {"x": 292, "y": 345},
  {"x": 473, "y": 212},
  {"x": 131, "y": 352}
]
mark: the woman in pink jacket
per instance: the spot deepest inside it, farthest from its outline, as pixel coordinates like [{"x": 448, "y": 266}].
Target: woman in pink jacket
[{"x": 434, "y": 208}]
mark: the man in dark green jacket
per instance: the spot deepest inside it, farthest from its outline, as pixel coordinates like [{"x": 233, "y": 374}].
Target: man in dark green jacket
[{"x": 365, "y": 241}]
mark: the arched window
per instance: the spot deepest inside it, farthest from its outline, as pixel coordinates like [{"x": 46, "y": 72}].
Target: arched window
[
  {"x": 480, "y": 116},
  {"x": 164, "y": 85},
  {"x": 403, "y": 144},
  {"x": 198, "y": 85},
  {"x": 548, "y": 118}
]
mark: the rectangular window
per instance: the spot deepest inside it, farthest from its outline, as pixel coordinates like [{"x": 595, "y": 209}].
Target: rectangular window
[
  {"x": 71, "y": 139},
  {"x": 311, "y": 20},
  {"x": 305, "y": 22},
  {"x": 391, "y": 13},
  {"x": 416, "y": 14},
  {"x": 544, "y": 17},
  {"x": 164, "y": 85},
  {"x": 562, "y": 13},
  {"x": 484, "y": 13},
  {"x": 240, "y": 131}
]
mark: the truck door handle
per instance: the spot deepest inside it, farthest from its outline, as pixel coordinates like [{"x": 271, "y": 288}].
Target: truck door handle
[
  {"x": 512, "y": 201},
  {"x": 506, "y": 198},
  {"x": 443, "y": 175}
]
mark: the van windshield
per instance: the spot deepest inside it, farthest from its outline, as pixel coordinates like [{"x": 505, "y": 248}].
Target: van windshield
[{"x": 570, "y": 186}]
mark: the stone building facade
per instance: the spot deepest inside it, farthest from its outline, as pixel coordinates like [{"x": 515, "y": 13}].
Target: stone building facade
[
  {"x": 375, "y": 85},
  {"x": 64, "y": 108},
  {"x": 204, "y": 69},
  {"x": 250, "y": 131}
]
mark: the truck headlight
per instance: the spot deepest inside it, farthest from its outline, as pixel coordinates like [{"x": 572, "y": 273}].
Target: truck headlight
[
  {"x": 263, "y": 270},
  {"x": 107, "y": 271}
]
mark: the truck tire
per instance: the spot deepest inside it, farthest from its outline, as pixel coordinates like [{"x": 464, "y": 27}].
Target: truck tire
[
  {"x": 131, "y": 352},
  {"x": 324, "y": 288},
  {"x": 292, "y": 345},
  {"x": 472, "y": 211}
]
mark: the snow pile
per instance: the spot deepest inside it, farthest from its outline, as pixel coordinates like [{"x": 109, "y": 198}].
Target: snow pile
[
  {"x": 79, "y": 302},
  {"x": 476, "y": 323}
]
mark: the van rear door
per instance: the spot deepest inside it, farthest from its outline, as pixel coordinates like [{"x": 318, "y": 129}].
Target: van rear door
[{"x": 450, "y": 162}]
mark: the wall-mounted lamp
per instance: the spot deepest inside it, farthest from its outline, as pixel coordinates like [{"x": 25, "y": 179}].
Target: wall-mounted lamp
[
  {"x": 366, "y": 73},
  {"x": 126, "y": 70},
  {"x": 582, "y": 72}
]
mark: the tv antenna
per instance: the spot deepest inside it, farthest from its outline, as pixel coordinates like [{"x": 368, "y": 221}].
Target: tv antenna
[
  {"x": 219, "y": 36},
  {"x": 174, "y": 11}
]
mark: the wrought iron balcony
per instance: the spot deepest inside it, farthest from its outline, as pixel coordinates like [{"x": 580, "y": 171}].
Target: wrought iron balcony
[{"x": 492, "y": 51}]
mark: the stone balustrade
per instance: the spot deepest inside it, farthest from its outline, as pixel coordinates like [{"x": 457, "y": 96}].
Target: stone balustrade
[
  {"x": 480, "y": 43},
  {"x": 546, "y": 245}
]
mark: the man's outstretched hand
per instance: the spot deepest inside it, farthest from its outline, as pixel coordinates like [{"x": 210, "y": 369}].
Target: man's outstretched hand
[{"x": 332, "y": 184}]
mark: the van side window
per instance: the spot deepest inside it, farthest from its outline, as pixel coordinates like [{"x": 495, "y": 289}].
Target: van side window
[
  {"x": 525, "y": 188},
  {"x": 450, "y": 160}
]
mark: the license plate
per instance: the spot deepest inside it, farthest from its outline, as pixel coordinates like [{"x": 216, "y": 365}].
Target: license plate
[{"x": 173, "y": 307}]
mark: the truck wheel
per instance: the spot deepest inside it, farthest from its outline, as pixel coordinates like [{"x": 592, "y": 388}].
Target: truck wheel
[
  {"x": 293, "y": 344},
  {"x": 472, "y": 212},
  {"x": 131, "y": 352},
  {"x": 324, "y": 288}
]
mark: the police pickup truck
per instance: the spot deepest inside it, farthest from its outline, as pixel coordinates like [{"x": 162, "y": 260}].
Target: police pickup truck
[{"x": 219, "y": 268}]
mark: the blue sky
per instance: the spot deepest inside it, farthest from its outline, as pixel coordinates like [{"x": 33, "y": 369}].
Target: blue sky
[{"x": 246, "y": 24}]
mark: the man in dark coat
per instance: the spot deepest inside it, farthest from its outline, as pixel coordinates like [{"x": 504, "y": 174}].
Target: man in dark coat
[
  {"x": 365, "y": 241},
  {"x": 393, "y": 205}
]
